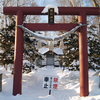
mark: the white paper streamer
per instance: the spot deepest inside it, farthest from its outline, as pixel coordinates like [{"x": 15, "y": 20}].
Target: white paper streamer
[
  {"x": 61, "y": 46},
  {"x": 39, "y": 45},
  {"x": 51, "y": 46}
]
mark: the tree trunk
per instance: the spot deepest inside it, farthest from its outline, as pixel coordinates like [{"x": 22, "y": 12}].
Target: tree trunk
[{"x": 5, "y": 66}]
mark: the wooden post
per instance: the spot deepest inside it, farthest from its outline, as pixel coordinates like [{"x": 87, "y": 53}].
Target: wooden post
[
  {"x": 49, "y": 92},
  {"x": 99, "y": 26},
  {"x": 83, "y": 56},
  {"x": 0, "y": 82},
  {"x": 18, "y": 56},
  {"x": 99, "y": 80}
]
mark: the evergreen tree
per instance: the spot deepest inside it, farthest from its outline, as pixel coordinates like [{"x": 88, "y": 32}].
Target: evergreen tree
[
  {"x": 94, "y": 49},
  {"x": 30, "y": 53},
  {"x": 71, "y": 51},
  {"x": 7, "y": 37},
  {"x": 7, "y": 43},
  {"x": 70, "y": 59}
]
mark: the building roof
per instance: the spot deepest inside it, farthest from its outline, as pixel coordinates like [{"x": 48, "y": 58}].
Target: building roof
[{"x": 58, "y": 51}]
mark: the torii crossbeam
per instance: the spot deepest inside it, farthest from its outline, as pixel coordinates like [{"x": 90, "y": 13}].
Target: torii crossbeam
[{"x": 82, "y": 13}]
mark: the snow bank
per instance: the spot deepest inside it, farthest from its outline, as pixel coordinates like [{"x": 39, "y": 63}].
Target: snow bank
[
  {"x": 49, "y": 97},
  {"x": 69, "y": 86}
]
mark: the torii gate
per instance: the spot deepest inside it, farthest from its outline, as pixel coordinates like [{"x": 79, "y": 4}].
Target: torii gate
[{"x": 82, "y": 13}]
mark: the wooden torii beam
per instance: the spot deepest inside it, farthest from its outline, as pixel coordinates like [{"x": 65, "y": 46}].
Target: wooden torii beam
[
  {"x": 82, "y": 13},
  {"x": 62, "y": 10}
]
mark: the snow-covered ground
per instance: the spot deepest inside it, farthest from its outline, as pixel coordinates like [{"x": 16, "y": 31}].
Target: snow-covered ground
[{"x": 69, "y": 85}]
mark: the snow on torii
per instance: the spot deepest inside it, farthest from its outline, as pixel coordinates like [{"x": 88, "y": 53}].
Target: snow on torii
[{"x": 45, "y": 10}]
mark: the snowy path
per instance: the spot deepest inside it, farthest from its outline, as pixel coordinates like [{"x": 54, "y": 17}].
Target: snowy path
[{"x": 69, "y": 86}]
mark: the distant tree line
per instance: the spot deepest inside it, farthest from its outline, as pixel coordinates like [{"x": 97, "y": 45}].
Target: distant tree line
[{"x": 7, "y": 41}]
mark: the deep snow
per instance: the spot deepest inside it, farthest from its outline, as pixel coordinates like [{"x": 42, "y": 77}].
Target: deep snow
[{"x": 69, "y": 85}]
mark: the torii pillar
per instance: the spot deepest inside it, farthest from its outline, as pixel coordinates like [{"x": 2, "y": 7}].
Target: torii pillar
[
  {"x": 83, "y": 56},
  {"x": 18, "y": 55}
]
